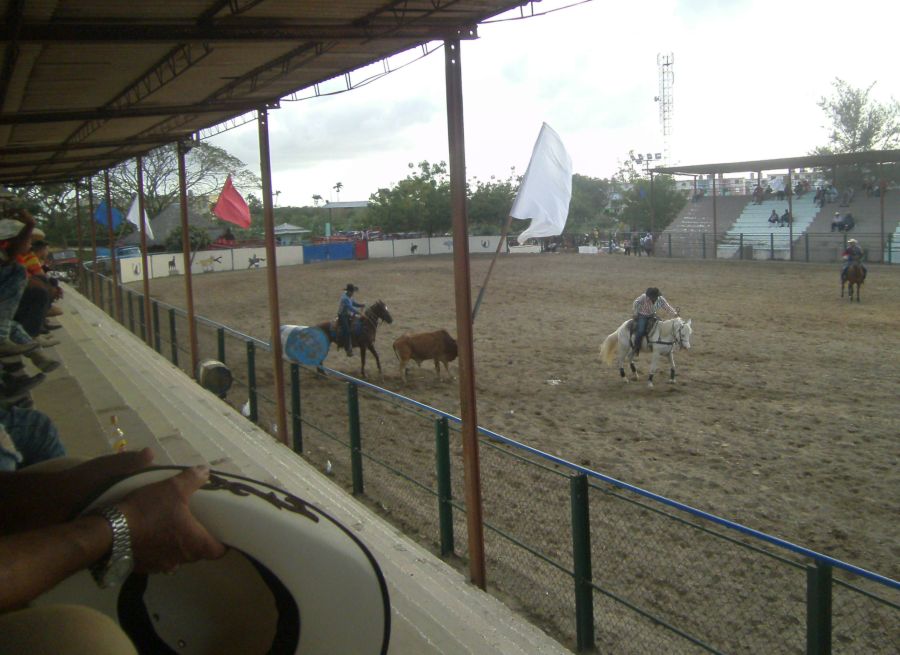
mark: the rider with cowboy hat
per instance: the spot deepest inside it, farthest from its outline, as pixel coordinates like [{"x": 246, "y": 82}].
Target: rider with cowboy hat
[
  {"x": 645, "y": 307},
  {"x": 347, "y": 309},
  {"x": 852, "y": 253}
]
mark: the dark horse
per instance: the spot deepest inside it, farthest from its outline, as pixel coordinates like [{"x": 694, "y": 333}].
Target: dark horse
[
  {"x": 362, "y": 332},
  {"x": 855, "y": 275}
]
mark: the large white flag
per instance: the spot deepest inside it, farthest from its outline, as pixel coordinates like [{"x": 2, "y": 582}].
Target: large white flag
[
  {"x": 134, "y": 217},
  {"x": 546, "y": 189}
]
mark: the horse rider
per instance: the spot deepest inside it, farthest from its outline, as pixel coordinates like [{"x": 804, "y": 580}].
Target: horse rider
[
  {"x": 347, "y": 310},
  {"x": 852, "y": 253},
  {"x": 645, "y": 307}
]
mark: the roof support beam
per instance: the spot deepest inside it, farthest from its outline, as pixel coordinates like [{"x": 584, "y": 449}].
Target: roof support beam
[
  {"x": 215, "y": 107},
  {"x": 74, "y": 33},
  {"x": 13, "y": 23}
]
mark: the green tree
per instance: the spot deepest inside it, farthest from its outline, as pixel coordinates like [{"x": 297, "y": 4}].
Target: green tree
[
  {"x": 588, "y": 207},
  {"x": 857, "y": 122},
  {"x": 421, "y": 202},
  {"x": 634, "y": 202},
  {"x": 198, "y": 236},
  {"x": 206, "y": 168},
  {"x": 489, "y": 203}
]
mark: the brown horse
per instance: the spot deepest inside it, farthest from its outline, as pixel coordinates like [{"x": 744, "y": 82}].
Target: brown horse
[
  {"x": 855, "y": 275},
  {"x": 362, "y": 332}
]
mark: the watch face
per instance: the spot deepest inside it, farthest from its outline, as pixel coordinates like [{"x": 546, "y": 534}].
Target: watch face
[{"x": 118, "y": 570}]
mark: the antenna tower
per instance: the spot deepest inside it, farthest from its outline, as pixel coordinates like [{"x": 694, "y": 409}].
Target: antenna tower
[{"x": 666, "y": 65}]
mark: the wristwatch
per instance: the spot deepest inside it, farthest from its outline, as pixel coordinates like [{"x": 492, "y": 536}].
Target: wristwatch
[{"x": 113, "y": 569}]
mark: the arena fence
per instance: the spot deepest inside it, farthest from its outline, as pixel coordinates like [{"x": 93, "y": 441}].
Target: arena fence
[
  {"x": 806, "y": 247},
  {"x": 598, "y": 563}
]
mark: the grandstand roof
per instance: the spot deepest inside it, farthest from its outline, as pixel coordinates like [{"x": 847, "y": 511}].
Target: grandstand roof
[
  {"x": 87, "y": 84},
  {"x": 806, "y": 161}
]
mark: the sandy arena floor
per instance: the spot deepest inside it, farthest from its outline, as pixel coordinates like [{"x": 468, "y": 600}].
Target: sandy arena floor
[{"x": 784, "y": 417}]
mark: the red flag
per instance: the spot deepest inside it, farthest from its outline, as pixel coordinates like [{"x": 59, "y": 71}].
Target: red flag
[{"x": 231, "y": 206}]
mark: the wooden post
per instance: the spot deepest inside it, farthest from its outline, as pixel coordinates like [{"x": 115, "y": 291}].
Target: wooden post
[
  {"x": 272, "y": 276},
  {"x": 790, "y": 196},
  {"x": 116, "y": 296},
  {"x": 183, "y": 149},
  {"x": 148, "y": 327},
  {"x": 94, "y": 287},
  {"x": 462, "y": 287}
]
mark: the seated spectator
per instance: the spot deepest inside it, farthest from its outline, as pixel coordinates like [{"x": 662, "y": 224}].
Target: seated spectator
[
  {"x": 848, "y": 222},
  {"x": 836, "y": 223},
  {"x": 785, "y": 219},
  {"x": 779, "y": 195},
  {"x": 41, "y": 545},
  {"x": 773, "y": 217},
  {"x": 27, "y": 437}
]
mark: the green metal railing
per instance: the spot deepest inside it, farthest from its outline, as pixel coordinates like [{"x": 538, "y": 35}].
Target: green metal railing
[{"x": 594, "y": 561}]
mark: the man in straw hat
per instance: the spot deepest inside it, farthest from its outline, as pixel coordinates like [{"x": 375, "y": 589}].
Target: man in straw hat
[
  {"x": 852, "y": 253},
  {"x": 347, "y": 309}
]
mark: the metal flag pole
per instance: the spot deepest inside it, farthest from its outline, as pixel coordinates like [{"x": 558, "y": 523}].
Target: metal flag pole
[{"x": 487, "y": 277}]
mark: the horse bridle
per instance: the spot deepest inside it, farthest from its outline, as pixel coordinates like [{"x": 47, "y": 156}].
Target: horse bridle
[{"x": 679, "y": 337}]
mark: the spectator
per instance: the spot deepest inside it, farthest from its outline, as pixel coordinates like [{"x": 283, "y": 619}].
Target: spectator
[
  {"x": 27, "y": 437},
  {"x": 773, "y": 217},
  {"x": 848, "y": 222},
  {"x": 41, "y": 544},
  {"x": 785, "y": 219},
  {"x": 836, "y": 223}
]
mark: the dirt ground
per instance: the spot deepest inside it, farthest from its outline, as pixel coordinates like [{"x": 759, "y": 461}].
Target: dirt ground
[{"x": 785, "y": 416}]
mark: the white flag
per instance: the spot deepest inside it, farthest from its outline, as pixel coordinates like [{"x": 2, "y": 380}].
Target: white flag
[
  {"x": 133, "y": 218},
  {"x": 546, "y": 189}
]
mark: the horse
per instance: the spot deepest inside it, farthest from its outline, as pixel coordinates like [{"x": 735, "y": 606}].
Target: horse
[
  {"x": 647, "y": 245},
  {"x": 664, "y": 338},
  {"x": 362, "y": 332},
  {"x": 855, "y": 275}
]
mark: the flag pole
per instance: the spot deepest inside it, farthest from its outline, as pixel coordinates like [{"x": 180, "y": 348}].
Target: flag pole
[{"x": 487, "y": 277}]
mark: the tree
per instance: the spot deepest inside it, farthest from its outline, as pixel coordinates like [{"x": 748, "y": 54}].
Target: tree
[
  {"x": 634, "y": 201},
  {"x": 588, "y": 207},
  {"x": 316, "y": 199},
  {"x": 489, "y": 202},
  {"x": 206, "y": 168},
  {"x": 857, "y": 122},
  {"x": 421, "y": 202},
  {"x": 198, "y": 236},
  {"x": 337, "y": 188}
]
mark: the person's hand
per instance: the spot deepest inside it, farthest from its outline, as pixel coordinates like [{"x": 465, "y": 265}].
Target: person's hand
[
  {"x": 96, "y": 474},
  {"x": 164, "y": 533}
]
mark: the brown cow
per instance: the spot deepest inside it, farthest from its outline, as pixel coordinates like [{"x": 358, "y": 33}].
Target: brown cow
[{"x": 438, "y": 346}]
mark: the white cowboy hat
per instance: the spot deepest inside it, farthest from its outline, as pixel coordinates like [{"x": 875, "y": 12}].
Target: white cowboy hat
[
  {"x": 852, "y": 241},
  {"x": 294, "y": 580}
]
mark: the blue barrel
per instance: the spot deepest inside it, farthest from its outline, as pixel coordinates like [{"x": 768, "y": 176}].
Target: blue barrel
[{"x": 304, "y": 345}]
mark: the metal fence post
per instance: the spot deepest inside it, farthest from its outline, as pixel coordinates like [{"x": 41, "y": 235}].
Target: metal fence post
[
  {"x": 99, "y": 293},
  {"x": 220, "y": 341},
  {"x": 703, "y": 244},
  {"x": 890, "y": 245},
  {"x": 130, "y": 311},
  {"x": 173, "y": 339},
  {"x": 581, "y": 555},
  {"x": 296, "y": 422},
  {"x": 741, "y": 245},
  {"x": 142, "y": 319},
  {"x": 355, "y": 438},
  {"x": 670, "y": 245},
  {"x": 771, "y": 245},
  {"x": 444, "y": 488},
  {"x": 806, "y": 245},
  {"x": 251, "y": 381},
  {"x": 157, "y": 337},
  {"x": 818, "y": 609}
]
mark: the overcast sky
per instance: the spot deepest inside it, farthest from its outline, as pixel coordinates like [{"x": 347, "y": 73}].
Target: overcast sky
[{"x": 747, "y": 77}]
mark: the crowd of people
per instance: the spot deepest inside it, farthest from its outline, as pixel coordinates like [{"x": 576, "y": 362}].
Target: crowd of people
[{"x": 43, "y": 536}]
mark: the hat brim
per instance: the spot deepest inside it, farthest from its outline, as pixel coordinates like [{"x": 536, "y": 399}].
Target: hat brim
[{"x": 293, "y": 574}]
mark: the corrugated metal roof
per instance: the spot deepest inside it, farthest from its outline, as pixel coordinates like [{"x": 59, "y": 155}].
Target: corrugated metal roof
[{"x": 86, "y": 84}]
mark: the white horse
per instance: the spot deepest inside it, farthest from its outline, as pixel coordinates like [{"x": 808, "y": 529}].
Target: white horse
[{"x": 664, "y": 338}]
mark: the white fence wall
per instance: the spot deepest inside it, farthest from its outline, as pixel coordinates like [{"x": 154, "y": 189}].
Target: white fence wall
[{"x": 214, "y": 261}]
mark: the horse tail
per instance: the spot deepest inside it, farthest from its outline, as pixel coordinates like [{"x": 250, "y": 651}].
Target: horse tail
[{"x": 608, "y": 349}]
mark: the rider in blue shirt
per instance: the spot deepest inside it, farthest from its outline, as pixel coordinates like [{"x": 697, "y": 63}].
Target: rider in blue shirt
[{"x": 347, "y": 309}]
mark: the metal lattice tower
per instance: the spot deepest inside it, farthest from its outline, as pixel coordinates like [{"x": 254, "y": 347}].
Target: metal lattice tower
[{"x": 666, "y": 65}]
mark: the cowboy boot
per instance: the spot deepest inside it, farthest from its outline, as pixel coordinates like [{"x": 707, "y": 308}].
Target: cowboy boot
[{"x": 8, "y": 348}]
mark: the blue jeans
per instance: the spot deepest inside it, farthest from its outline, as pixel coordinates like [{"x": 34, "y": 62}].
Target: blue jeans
[
  {"x": 346, "y": 339},
  {"x": 34, "y": 436},
  {"x": 640, "y": 328},
  {"x": 12, "y": 285}
]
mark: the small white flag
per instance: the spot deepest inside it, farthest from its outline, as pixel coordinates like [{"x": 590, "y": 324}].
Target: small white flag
[
  {"x": 546, "y": 189},
  {"x": 133, "y": 217}
]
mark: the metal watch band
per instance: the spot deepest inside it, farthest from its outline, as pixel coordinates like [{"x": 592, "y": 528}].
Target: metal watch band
[{"x": 121, "y": 542}]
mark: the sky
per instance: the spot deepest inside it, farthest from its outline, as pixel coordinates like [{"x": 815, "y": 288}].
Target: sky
[{"x": 747, "y": 79}]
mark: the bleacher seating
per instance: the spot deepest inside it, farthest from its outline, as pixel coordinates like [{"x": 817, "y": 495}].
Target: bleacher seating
[{"x": 752, "y": 228}]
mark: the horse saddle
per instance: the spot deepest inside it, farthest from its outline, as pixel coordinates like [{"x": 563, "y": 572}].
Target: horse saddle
[
  {"x": 337, "y": 332},
  {"x": 632, "y": 324}
]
